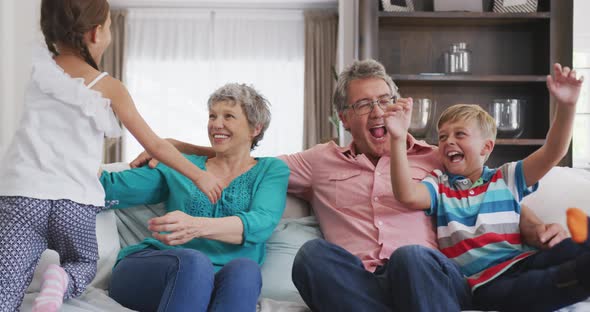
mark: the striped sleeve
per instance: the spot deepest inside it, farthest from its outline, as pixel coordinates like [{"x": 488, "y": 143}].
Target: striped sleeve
[
  {"x": 432, "y": 184},
  {"x": 513, "y": 175}
]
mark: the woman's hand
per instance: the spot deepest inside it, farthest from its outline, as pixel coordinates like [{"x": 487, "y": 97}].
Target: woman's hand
[{"x": 179, "y": 228}]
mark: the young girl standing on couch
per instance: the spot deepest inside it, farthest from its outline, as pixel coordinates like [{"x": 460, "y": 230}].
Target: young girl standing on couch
[{"x": 49, "y": 189}]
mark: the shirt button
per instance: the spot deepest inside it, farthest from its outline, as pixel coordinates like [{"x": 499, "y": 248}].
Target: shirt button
[
  {"x": 380, "y": 222},
  {"x": 471, "y": 192},
  {"x": 376, "y": 198},
  {"x": 378, "y": 173}
]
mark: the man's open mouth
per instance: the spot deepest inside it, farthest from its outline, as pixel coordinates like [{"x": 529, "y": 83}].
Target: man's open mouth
[{"x": 378, "y": 132}]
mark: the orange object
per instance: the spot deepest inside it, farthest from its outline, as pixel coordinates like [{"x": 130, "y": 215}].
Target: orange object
[{"x": 577, "y": 222}]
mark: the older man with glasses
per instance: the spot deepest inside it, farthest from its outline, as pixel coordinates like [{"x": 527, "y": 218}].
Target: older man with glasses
[{"x": 377, "y": 255}]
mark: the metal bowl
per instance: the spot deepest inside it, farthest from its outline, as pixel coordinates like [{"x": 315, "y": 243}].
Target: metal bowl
[
  {"x": 422, "y": 111},
  {"x": 508, "y": 116}
]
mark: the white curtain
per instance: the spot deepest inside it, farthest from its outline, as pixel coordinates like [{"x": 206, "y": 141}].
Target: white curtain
[
  {"x": 19, "y": 33},
  {"x": 177, "y": 58}
]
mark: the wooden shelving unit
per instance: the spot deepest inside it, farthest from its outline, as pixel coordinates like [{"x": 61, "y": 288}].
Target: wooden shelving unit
[
  {"x": 508, "y": 142},
  {"x": 469, "y": 78},
  {"x": 511, "y": 56}
]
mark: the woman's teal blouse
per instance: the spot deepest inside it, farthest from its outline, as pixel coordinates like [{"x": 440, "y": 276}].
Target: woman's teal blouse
[{"x": 257, "y": 197}]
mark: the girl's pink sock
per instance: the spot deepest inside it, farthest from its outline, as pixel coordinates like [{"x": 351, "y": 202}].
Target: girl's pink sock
[{"x": 55, "y": 283}]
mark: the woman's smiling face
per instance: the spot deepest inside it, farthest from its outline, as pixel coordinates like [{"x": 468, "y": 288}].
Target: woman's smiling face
[{"x": 228, "y": 127}]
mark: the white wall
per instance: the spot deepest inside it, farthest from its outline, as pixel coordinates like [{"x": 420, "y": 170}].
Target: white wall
[
  {"x": 347, "y": 46},
  {"x": 19, "y": 28},
  {"x": 581, "y": 141}
]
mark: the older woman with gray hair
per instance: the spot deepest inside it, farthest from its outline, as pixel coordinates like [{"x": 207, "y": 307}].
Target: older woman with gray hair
[{"x": 203, "y": 256}]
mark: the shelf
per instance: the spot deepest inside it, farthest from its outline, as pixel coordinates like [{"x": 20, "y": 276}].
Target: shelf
[
  {"x": 462, "y": 18},
  {"x": 467, "y": 15},
  {"x": 511, "y": 55},
  {"x": 531, "y": 142},
  {"x": 519, "y": 142},
  {"x": 471, "y": 78}
]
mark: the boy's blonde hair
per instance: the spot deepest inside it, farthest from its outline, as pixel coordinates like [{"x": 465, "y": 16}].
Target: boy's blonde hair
[{"x": 469, "y": 112}]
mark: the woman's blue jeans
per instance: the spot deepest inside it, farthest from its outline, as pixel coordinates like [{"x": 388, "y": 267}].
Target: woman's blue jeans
[
  {"x": 415, "y": 278},
  {"x": 184, "y": 280}
]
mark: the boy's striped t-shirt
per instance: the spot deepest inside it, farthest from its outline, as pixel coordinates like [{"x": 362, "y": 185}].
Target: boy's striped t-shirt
[{"x": 478, "y": 223}]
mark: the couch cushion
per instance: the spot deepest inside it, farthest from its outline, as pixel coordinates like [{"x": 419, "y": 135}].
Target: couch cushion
[
  {"x": 559, "y": 189},
  {"x": 281, "y": 248}
]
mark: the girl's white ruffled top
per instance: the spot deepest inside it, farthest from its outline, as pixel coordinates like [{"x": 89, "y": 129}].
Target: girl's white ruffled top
[{"x": 58, "y": 147}]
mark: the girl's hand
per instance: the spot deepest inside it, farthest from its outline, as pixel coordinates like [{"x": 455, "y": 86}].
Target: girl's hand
[
  {"x": 209, "y": 185},
  {"x": 564, "y": 86},
  {"x": 178, "y": 227},
  {"x": 398, "y": 117}
]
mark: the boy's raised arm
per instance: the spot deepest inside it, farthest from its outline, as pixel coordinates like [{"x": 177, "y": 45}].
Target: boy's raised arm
[
  {"x": 413, "y": 195},
  {"x": 565, "y": 88}
]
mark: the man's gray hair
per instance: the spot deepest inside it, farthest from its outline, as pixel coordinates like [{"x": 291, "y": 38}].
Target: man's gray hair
[
  {"x": 256, "y": 107},
  {"x": 359, "y": 70}
]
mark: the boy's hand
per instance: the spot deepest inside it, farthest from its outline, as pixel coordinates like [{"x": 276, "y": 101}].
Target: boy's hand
[
  {"x": 209, "y": 185},
  {"x": 564, "y": 86},
  {"x": 550, "y": 235},
  {"x": 398, "y": 117}
]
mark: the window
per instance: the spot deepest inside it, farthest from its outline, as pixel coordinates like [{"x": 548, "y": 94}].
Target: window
[{"x": 177, "y": 58}]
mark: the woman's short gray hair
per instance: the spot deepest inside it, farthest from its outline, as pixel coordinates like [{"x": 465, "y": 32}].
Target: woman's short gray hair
[
  {"x": 359, "y": 70},
  {"x": 255, "y": 106}
]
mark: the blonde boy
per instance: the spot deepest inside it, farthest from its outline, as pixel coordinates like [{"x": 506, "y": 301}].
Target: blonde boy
[{"x": 477, "y": 208}]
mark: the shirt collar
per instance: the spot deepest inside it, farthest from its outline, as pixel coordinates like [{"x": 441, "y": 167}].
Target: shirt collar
[
  {"x": 415, "y": 146},
  {"x": 486, "y": 175}
]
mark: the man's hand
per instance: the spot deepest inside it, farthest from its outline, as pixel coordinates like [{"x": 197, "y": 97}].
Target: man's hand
[
  {"x": 550, "y": 235},
  {"x": 180, "y": 228},
  {"x": 564, "y": 86},
  {"x": 143, "y": 159},
  {"x": 398, "y": 118}
]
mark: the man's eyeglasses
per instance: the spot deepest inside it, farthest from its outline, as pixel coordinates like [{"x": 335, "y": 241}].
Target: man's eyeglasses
[{"x": 364, "y": 107}]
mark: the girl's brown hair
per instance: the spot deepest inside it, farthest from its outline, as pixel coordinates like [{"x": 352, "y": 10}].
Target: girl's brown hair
[{"x": 66, "y": 22}]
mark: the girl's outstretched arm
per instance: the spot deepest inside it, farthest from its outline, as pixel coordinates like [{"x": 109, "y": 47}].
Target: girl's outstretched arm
[{"x": 124, "y": 107}]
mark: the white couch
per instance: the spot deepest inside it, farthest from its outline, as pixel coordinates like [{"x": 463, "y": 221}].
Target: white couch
[{"x": 560, "y": 189}]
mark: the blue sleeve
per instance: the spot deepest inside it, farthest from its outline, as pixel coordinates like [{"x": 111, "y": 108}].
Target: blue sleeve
[
  {"x": 433, "y": 199},
  {"x": 267, "y": 205},
  {"x": 134, "y": 187},
  {"x": 520, "y": 182}
]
